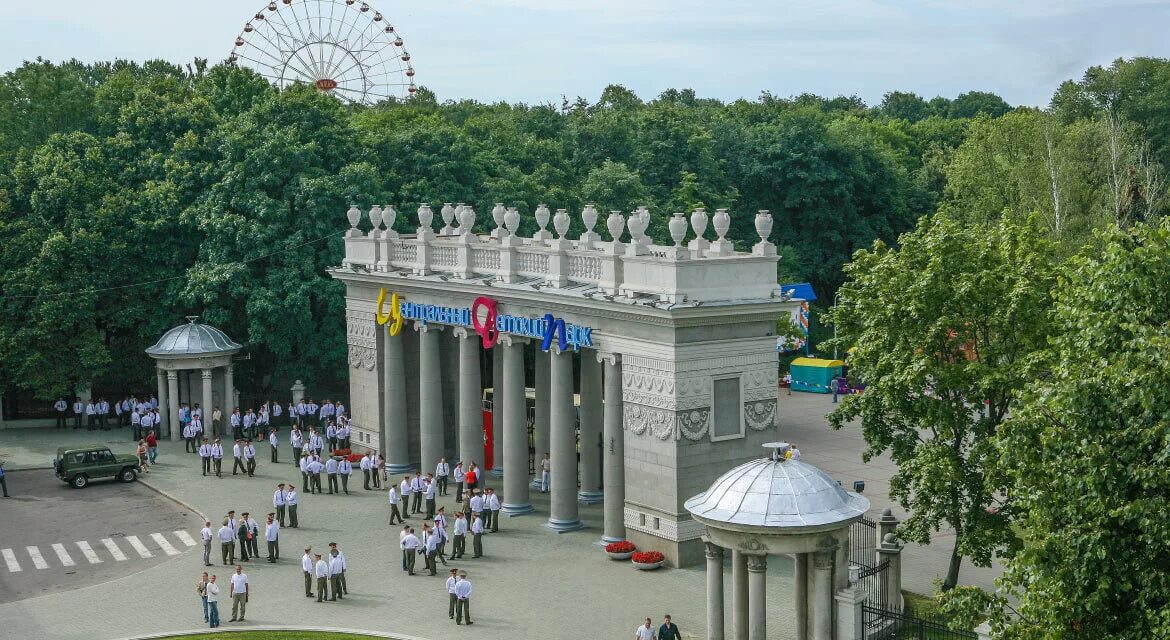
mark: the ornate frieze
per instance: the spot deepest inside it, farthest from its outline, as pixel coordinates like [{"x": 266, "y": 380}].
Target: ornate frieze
[
  {"x": 361, "y": 336},
  {"x": 760, "y": 415},
  {"x": 692, "y": 424},
  {"x": 640, "y": 419}
]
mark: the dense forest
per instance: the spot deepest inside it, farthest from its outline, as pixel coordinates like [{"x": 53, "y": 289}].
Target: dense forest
[{"x": 215, "y": 194}]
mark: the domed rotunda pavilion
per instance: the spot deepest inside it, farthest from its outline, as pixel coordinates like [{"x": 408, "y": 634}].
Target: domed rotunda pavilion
[
  {"x": 775, "y": 506},
  {"x": 182, "y": 351}
]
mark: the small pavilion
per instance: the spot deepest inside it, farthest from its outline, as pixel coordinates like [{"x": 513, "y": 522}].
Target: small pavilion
[
  {"x": 773, "y": 506},
  {"x": 185, "y": 350}
]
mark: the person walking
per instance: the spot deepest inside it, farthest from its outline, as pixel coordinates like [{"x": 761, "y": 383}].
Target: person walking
[
  {"x": 272, "y": 536},
  {"x": 477, "y": 537},
  {"x": 452, "y": 580},
  {"x": 321, "y": 571},
  {"x": 307, "y": 568},
  {"x": 410, "y": 545},
  {"x": 297, "y": 442},
  {"x": 290, "y": 501},
  {"x": 227, "y": 543},
  {"x": 459, "y": 531},
  {"x": 668, "y": 630},
  {"x": 238, "y": 458},
  {"x": 151, "y": 444},
  {"x": 201, "y": 589},
  {"x": 430, "y": 546},
  {"x": 463, "y": 599},
  {"x": 143, "y": 453},
  {"x": 239, "y": 592},
  {"x": 492, "y": 504},
  {"x": 205, "y": 534},
  {"x": 442, "y": 471},
  {"x": 394, "y": 512},
  {"x": 645, "y": 631},
  {"x": 212, "y": 602},
  {"x": 834, "y": 386},
  {"x": 273, "y": 442},
  {"x": 250, "y": 457},
  {"x": 217, "y": 457},
  {"x": 344, "y": 469},
  {"x": 459, "y": 477},
  {"x": 278, "y": 501}
]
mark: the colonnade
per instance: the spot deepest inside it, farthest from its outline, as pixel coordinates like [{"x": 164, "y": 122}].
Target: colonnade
[
  {"x": 168, "y": 396},
  {"x": 749, "y": 608},
  {"x": 555, "y": 428}
]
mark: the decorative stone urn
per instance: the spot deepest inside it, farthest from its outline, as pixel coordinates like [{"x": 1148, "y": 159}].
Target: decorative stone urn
[
  {"x": 678, "y": 228},
  {"x": 616, "y": 223},
  {"x": 389, "y": 217},
  {"x": 499, "y": 214},
  {"x": 448, "y": 214},
  {"x": 542, "y": 216},
  {"x": 375, "y": 220},
  {"x": 355, "y": 216}
]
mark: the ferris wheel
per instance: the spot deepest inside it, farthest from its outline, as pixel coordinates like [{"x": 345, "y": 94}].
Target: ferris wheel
[{"x": 345, "y": 48}]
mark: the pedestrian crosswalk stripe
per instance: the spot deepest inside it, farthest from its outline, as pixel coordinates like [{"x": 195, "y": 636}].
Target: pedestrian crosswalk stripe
[
  {"x": 113, "y": 549},
  {"x": 185, "y": 538},
  {"x": 139, "y": 547},
  {"x": 166, "y": 546},
  {"x": 63, "y": 555},
  {"x": 10, "y": 560},
  {"x": 37, "y": 558},
  {"x": 88, "y": 552}
]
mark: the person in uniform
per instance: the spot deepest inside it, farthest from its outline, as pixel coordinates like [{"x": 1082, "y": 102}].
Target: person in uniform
[
  {"x": 410, "y": 545},
  {"x": 462, "y": 599},
  {"x": 297, "y": 442},
  {"x": 321, "y": 570},
  {"x": 103, "y": 414},
  {"x": 334, "y": 551},
  {"x": 250, "y": 457},
  {"x": 136, "y": 424},
  {"x": 364, "y": 465},
  {"x": 278, "y": 502},
  {"x": 477, "y": 536},
  {"x": 343, "y": 433},
  {"x": 331, "y": 472},
  {"x": 475, "y": 505},
  {"x": 442, "y": 471},
  {"x": 242, "y": 534},
  {"x": 344, "y": 469},
  {"x": 206, "y": 535},
  {"x": 217, "y": 457},
  {"x": 417, "y": 489},
  {"x": 272, "y": 442},
  {"x": 331, "y": 436},
  {"x": 290, "y": 501},
  {"x": 429, "y": 495},
  {"x": 276, "y": 413},
  {"x": 394, "y": 512},
  {"x": 336, "y": 565},
  {"x": 315, "y": 467},
  {"x": 441, "y": 532},
  {"x": 459, "y": 477},
  {"x": 492, "y": 504},
  {"x": 238, "y": 457},
  {"x": 376, "y": 468},
  {"x": 78, "y": 409},
  {"x": 90, "y": 415},
  {"x": 304, "y": 463},
  {"x": 545, "y": 472},
  {"x": 404, "y": 490},
  {"x": 255, "y": 539},
  {"x": 460, "y": 536},
  {"x": 272, "y": 536},
  {"x": 205, "y": 456},
  {"x": 451, "y": 599},
  {"x": 216, "y": 422},
  {"x": 227, "y": 543},
  {"x": 316, "y": 442},
  {"x": 307, "y": 568},
  {"x": 60, "y": 406},
  {"x": 249, "y": 421},
  {"x": 236, "y": 420},
  {"x": 189, "y": 439},
  {"x": 430, "y": 546}
]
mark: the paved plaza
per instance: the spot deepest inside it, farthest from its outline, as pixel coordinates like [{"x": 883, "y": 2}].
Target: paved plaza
[{"x": 530, "y": 579}]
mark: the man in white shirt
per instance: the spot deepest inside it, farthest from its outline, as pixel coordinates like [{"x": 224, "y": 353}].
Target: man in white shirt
[
  {"x": 364, "y": 465},
  {"x": 205, "y": 456},
  {"x": 477, "y": 536},
  {"x": 304, "y": 464},
  {"x": 307, "y": 568},
  {"x": 254, "y": 541},
  {"x": 227, "y": 542},
  {"x": 404, "y": 491},
  {"x": 331, "y": 436},
  {"x": 314, "y": 468},
  {"x": 459, "y": 530},
  {"x": 343, "y": 435},
  {"x": 430, "y": 547},
  {"x": 334, "y": 551},
  {"x": 297, "y": 441},
  {"x": 344, "y": 469},
  {"x": 463, "y": 599},
  {"x": 451, "y": 599},
  {"x": 276, "y": 413},
  {"x": 205, "y": 535},
  {"x": 212, "y": 593},
  {"x": 278, "y": 502},
  {"x": 103, "y": 414},
  {"x": 545, "y": 471},
  {"x": 475, "y": 505},
  {"x": 239, "y": 593},
  {"x": 394, "y": 512},
  {"x": 429, "y": 494},
  {"x": 136, "y": 424},
  {"x": 336, "y": 569},
  {"x": 459, "y": 476},
  {"x": 410, "y": 545},
  {"x": 290, "y": 501},
  {"x": 90, "y": 415},
  {"x": 272, "y": 442},
  {"x": 189, "y": 445},
  {"x": 376, "y": 474},
  {"x": 331, "y": 473},
  {"x": 78, "y": 409},
  {"x": 217, "y": 457},
  {"x": 492, "y": 505},
  {"x": 417, "y": 489},
  {"x": 645, "y": 632},
  {"x": 236, "y": 420},
  {"x": 321, "y": 571},
  {"x": 442, "y": 471},
  {"x": 250, "y": 458},
  {"x": 272, "y": 537},
  {"x": 60, "y": 406}
]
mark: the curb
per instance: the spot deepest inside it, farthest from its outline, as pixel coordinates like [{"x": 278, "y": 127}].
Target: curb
[
  {"x": 227, "y": 633},
  {"x": 172, "y": 498}
]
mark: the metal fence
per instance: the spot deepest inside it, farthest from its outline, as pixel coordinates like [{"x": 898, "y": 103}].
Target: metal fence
[
  {"x": 863, "y": 543},
  {"x": 883, "y": 624},
  {"x": 872, "y": 580}
]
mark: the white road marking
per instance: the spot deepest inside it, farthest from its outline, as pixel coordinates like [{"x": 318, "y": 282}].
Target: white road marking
[
  {"x": 139, "y": 547},
  {"x": 166, "y": 546},
  {"x": 185, "y": 538},
  {"x": 113, "y": 549},
  {"x": 37, "y": 558},
  {"x": 10, "y": 559},
  {"x": 63, "y": 555},
  {"x": 88, "y": 552}
]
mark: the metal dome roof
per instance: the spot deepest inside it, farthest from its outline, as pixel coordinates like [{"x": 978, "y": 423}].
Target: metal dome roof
[
  {"x": 773, "y": 492},
  {"x": 193, "y": 339}
]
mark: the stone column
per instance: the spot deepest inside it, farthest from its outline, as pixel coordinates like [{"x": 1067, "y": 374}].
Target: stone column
[
  {"x": 757, "y": 567},
  {"x": 714, "y": 591},
  {"x": 162, "y": 402},
  {"x": 562, "y": 443},
  {"x": 540, "y": 423},
  {"x": 739, "y": 595},
  {"x": 499, "y": 388},
  {"x": 470, "y": 397},
  {"x": 229, "y": 395},
  {"x": 208, "y": 401},
  {"x": 590, "y": 413},
  {"x": 822, "y": 595},
  {"x": 430, "y": 405},
  {"x": 800, "y": 586},
  {"x": 173, "y": 405},
  {"x": 397, "y": 443},
  {"x": 614, "y": 451},
  {"x": 890, "y": 550},
  {"x": 512, "y": 428}
]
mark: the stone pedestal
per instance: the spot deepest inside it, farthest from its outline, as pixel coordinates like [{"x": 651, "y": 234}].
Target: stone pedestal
[{"x": 850, "y": 618}]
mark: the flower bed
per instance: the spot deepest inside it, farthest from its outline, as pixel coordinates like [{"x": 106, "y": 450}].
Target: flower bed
[
  {"x": 648, "y": 560},
  {"x": 620, "y": 550}
]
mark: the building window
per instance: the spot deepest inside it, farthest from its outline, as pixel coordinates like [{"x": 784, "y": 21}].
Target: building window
[{"x": 727, "y": 421}]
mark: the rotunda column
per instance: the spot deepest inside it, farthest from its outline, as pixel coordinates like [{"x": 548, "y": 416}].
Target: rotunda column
[
  {"x": 207, "y": 400},
  {"x": 162, "y": 402},
  {"x": 823, "y": 595},
  {"x": 229, "y": 392},
  {"x": 800, "y": 586},
  {"x": 757, "y": 567},
  {"x": 714, "y": 591},
  {"x": 173, "y": 405},
  {"x": 739, "y": 595}
]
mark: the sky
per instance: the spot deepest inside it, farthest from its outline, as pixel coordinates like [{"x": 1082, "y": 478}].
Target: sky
[{"x": 535, "y": 51}]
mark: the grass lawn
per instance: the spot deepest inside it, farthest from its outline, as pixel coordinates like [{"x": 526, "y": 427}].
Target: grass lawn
[{"x": 274, "y": 635}]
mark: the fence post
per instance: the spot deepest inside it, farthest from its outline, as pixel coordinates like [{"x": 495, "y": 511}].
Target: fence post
[
  {"x": 887, "y": 522},
  {"x": 890, "y": 550},
  {"x": 850, "y": 613}
]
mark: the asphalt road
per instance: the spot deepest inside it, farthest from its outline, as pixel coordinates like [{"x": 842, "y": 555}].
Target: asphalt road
[{"x": 80, "y": 538}]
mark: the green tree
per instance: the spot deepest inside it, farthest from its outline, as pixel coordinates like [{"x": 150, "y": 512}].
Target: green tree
[
  {"x": 974, "y": 103},
  {"x": 943, "y": 328},
  {"x": 904, "y": 106}
]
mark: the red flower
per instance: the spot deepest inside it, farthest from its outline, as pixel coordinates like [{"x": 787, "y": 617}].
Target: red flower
[
  {"x": 625, "y": 546},
  {"x": 648, "y": 557}
]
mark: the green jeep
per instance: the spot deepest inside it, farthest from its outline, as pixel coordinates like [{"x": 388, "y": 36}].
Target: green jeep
[{"x": 79, "y": 464}]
